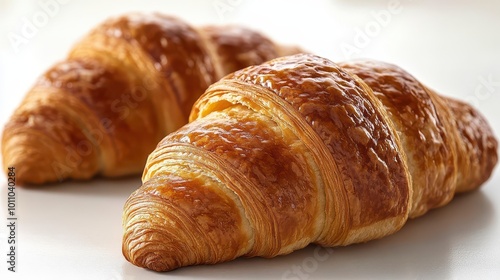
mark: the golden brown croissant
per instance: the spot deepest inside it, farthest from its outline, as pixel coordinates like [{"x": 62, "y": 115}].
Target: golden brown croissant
[
  {"x": 122, "y": 88},
  {"x": 300, "y": 150}
]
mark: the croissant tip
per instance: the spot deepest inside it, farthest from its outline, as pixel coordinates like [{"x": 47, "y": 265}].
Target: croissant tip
[
  {"x": 29, "y": 168},
  {"x": 144, "y": 255},
  {"x": 157, "y": 265},
  {"x": 38, "y": 160},
  {"x": 36, "y": 168},
  {"x": 150, "y": 260}
]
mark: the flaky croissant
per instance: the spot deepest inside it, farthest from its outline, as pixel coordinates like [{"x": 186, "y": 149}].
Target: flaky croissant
[
  {"x": 122, "y": 88},
  {"x": 300, "y": 150}
]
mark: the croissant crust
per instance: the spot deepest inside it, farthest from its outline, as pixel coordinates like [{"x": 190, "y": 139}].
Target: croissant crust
[
  {"x": 122, "y": 88},
  {"x": 301, "y": 150}
]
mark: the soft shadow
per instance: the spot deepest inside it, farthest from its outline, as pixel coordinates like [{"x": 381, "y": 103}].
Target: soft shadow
[
  {"x": 73, "y": 213},
  {"x": 97, "y": 186},
  {"x": 424, "y": 245}
]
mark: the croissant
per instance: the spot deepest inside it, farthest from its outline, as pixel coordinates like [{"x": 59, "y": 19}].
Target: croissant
[
  {"x": 122, "y": 88},
  {"x": 300, "y": 150}
]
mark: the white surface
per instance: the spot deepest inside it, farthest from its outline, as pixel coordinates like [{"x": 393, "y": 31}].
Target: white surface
[{"x": 73, "y": 230}]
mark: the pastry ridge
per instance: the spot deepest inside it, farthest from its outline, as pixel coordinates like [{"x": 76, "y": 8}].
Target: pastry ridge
[
  {"x": 316, "y": 152},
  {"x": 124, "y": 86}
]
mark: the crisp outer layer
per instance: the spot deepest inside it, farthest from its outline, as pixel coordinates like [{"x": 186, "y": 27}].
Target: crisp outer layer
[
  {"x": 478, "y": 147},
  {"x": 254, "y": 146},
  {"x": 128, "y": 83},
  {"x": 121, "y": 106},
  {"x": 428, "y": 145},
  {"x": 26, "y": 127},
  {"x": 167, "y": 220},
  {"x": 347, "y": 119},
  {"x": 176, "y": 49},
  {"x": 309, "y": 153}
]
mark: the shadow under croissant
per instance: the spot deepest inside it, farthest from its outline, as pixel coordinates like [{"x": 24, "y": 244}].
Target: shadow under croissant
[
  {"x": 54, "y": 210},
  {"x": 421, "y": 245},
  {"x": 100, "y": 186}
]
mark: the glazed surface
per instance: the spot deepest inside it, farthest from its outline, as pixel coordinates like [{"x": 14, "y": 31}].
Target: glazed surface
[
  {"x": 309, "y": 152},
  {"x": 124, "y": 86}
]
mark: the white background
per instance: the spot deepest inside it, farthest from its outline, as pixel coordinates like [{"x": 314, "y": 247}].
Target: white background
[{"x": 73, "y": 230}]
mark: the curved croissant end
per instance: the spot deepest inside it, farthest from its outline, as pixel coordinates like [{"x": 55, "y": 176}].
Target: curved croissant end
[
  {"x": 123, "y": 87},
  {"x": 300, "y": 150}
]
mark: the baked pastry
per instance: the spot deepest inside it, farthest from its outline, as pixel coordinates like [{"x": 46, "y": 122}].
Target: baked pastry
[
  {"x": 122, "y": 88},
  {"x": 300, "y": 150}
]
